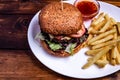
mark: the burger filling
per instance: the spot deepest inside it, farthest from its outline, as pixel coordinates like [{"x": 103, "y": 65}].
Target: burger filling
[{"x": 63, "y": 42}]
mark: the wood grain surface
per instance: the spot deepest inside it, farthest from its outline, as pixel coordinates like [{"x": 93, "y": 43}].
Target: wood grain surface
[{"x": 17, "y": 62}]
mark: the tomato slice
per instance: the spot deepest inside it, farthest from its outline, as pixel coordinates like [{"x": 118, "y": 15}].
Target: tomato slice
[{"x": 79, "y": 33}]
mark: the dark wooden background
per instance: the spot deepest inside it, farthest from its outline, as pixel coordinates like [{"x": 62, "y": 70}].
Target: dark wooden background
[{"x": 17, "y": 62}]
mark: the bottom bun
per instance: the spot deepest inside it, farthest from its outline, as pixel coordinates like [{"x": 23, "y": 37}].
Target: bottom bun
[{"x": 61, "y": 53}]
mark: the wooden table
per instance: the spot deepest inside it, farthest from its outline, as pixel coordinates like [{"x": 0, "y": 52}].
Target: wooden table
[{"x": 17, "y": 62}]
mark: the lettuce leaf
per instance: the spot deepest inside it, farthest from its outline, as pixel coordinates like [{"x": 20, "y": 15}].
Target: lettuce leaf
[
  {"x": 54, "y": 46},
  {"x": 39, "y": 36},
  {"x": 70, "y": 48}
]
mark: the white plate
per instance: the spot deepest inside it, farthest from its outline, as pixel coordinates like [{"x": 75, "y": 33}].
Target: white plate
[{"x": 71, "y": 66}]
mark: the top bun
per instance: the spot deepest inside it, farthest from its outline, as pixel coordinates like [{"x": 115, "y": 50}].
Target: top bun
[{"x": 54, "y": 20}]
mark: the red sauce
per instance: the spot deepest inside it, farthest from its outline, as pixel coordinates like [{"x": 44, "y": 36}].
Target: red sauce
[{"x": 88, "y": 8}]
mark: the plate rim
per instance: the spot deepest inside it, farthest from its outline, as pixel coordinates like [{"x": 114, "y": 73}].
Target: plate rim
[{"x": 28, "y": 35}]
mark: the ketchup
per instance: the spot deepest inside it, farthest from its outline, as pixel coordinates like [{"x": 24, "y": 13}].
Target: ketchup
[{"x": 88, "y": 8}]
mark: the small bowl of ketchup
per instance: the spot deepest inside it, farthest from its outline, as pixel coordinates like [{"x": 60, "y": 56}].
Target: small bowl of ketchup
[{"x": 88, "y": 8}]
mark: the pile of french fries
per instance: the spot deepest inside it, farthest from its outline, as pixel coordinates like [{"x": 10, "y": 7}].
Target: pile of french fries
[{"x": 103, "y": 41}]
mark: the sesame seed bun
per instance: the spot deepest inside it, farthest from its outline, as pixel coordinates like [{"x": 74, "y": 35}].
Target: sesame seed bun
[
  {"x": 54, "y": 20},
  {"x": 61, "y": 22}
]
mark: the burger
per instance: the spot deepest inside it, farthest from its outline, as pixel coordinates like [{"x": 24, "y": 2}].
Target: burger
[{"x": 62, "y": 32}]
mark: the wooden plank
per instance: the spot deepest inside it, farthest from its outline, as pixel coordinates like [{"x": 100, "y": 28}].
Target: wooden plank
[
  {"x": 13, "y": 31},
  {"x": 23, "y": 65},
  {"x": 27, "y": 0},
  {"x": 30, "y": 7},
  {"x": 114, "y": 3},
  {"x": 21, "y": 8}
]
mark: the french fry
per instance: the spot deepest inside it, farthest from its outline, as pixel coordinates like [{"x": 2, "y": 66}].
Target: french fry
[
  {"x": 102, "y": 35},
  {"x": 89, "y": 37},
  {"x": 102, "y": 61},
  {"x": 91, "y": 30},
  {"x": 103, "y": 57},
  {"x": 113, "y": 62},
  {"x": 89, "y": 59},
  {"x": 117, "y": 56},
  {"x": 106, "y": 26},
  {"x": 103, "y": 41},
  {"x": 119, "y": 47},
  {"x": 99, "y": 19},
  {"x": 108, "y": 56},
  {"x": 109, "y": 37},
  {"x": 113, "y": 21},
  {"x": 101, "y": 24},
  {"x": 110, "y": 43},
  {"x": 114, "y": 55},
  {"x": 96, "y": 57},
  {"x": 107, "y": 17},
  {"x": 93, "y": 20},
  {"x": 93, "y": 52},
  {"x": 115, "y": 35},
  {"x": 118, "y": 27},
  {"x": 118, "y": 59}
]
